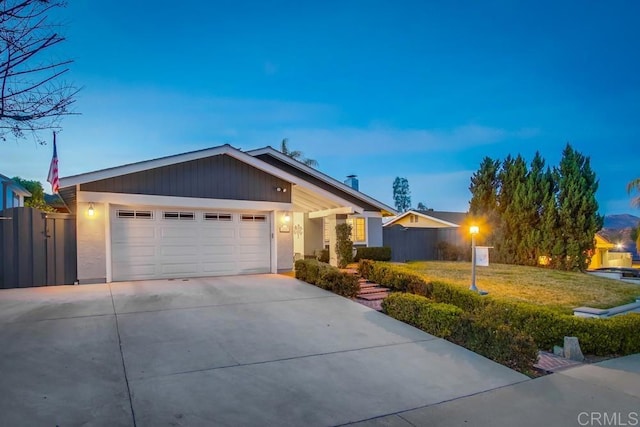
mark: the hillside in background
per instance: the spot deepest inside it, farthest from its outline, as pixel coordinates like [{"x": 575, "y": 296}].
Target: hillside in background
[
  {"x": 619, "y": 222},
  {"x": 618, "y": 228}
]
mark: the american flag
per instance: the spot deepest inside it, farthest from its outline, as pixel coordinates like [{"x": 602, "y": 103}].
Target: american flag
[{"x": 53, "y": 169}]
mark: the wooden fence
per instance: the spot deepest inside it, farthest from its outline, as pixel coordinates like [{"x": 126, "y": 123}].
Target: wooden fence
[{"x": 37, "y": 248}]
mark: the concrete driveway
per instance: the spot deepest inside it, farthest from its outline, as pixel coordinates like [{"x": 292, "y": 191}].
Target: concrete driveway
[{"x": 230, "y": 351}]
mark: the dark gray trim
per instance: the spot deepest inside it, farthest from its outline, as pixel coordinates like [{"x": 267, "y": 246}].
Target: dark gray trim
[{"x": 215, "y": 177}]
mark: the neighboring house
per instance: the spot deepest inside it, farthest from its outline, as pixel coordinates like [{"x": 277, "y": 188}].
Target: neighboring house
[
  {"x": 218, "y": 211},
  {"x": 605, "y": 255},
  {"x": 428, "y": 219},
  {"x": 419, "y": 234},
  {"x": 13, "y": 194}
]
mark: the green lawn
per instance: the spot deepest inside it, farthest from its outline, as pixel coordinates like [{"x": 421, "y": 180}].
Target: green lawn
[{"x": 557, "y": 289}]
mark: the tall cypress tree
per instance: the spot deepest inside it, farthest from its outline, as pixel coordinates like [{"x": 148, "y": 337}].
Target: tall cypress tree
[
  {"x": 530, "y": 200},
  {"x": 509, "y": 232},
  {"x": 484, "y": 188},
  {"x": 578, "y": 217}
]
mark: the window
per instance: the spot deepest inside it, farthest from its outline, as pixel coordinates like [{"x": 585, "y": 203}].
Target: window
[
  {"x": 126, "y": 213},
  {"x": 213, "y": 216},
  {"x": 358, "y": 229},
  {"x": 179, "y": 215},
  {"x": 413, "y": 218},
  {"x": 254, "y": 218}
]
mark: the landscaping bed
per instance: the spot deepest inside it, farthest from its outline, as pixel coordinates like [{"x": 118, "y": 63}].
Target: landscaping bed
[{"x": 505, "y": 329}]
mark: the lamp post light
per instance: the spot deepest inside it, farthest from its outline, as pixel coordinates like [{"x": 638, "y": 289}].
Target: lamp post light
[{"x": 474, "y": 229}]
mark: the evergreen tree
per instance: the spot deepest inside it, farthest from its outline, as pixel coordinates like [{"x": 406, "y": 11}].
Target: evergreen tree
[
  {"x": 530, "y": 200},
  {"x": 510, "y": 231},
  {"x": 401, "y": 194},
  {"x": 484, "y": 189},
  {"x": 578, "y": 217}
]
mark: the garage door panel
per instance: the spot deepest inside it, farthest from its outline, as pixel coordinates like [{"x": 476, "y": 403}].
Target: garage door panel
[
  {"x": 178, "y": 232},
  {"x": 162, "y": 247},
  {"x": 218, "y": 233},
  {"x": 179, "y": 268},
  {"x": 129, "y": 233},
  {"x": 229, "y": 267},
  {"x": 137, "y": 271},
  {"x": 218, "y": 251},
  {"x": 178, "y": 251}
]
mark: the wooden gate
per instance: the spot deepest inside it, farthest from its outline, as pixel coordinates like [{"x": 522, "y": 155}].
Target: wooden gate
[{"x": 37, "y": 248}]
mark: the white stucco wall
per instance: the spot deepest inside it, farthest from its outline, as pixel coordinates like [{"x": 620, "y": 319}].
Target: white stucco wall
[
  {"x": 284, "y": 241},
  {"x": 90, "y": 230}
]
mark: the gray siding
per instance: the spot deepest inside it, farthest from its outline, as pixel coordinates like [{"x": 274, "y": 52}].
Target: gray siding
[
  {"x": 216, "y": 177},
  {"x": 374, "y": 232},
  {"x": 413, "y": 244},
  {"x": 317, "y": 182}
]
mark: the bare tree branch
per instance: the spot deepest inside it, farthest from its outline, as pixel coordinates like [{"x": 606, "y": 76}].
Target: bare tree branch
[{"x": 32, "y": 96}]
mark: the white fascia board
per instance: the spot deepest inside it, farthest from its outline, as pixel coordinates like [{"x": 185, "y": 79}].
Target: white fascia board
[
  {"x": 313, "y": 172},
  {"x": 450, "y": 224},
  {"x": 335, "y": 211},
  {"x": 186, "y": 202},
  {"x": 396, "y": 219}
]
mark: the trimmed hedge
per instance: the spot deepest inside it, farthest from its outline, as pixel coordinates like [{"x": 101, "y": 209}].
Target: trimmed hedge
[
  {"x": 390, "y": 276},
  {"x": 435, "y": 318},
  {"x": 613, "y": 336},
  {"x": 498, "y": 342},
  {"x": 377, "y": 253},
  {"x": 327, "y": 277}
]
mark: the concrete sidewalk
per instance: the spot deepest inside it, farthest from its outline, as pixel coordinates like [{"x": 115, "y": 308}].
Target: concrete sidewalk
[
  {"x": 606, "y": 393},
  {"x": 229, "y": 351}
]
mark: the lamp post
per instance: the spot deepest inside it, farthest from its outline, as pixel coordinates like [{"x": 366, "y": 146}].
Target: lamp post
[{"x": 473, "y": 230}]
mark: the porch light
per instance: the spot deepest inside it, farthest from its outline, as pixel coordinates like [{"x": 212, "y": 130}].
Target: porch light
[
  {"x": 286, "y": 218},
  {"x": 91, "y": 211},
  {"x": 474, "y": 229}
]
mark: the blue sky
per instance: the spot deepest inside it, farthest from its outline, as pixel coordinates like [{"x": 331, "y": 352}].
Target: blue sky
[{"x": 416, "y": 89}]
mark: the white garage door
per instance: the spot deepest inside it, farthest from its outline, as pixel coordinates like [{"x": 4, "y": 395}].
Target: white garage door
[{"x": 168, "y": 243}]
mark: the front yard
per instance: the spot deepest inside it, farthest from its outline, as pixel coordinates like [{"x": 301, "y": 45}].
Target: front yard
[{"x": 561, "y": 290}]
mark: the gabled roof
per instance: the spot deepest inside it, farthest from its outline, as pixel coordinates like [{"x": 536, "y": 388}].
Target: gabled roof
[
  {"x": 317, "y": 174},
  {"x": 14, "y": 186},
  {"x": 450, "y": 219},
  {"x": 246, "y": 157}
]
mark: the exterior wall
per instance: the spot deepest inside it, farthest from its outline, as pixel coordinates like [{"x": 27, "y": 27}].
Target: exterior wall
[
  {"x": 284, "y": 241},
  {"x": 374, "y": 232},
  {"x": 422, "y": 223},
  {"x": 92, "y": 253},
  {"x": 313, "y": 235},
  {"x": 215, "y": 177},
  {"x": 298, "y": 235}
]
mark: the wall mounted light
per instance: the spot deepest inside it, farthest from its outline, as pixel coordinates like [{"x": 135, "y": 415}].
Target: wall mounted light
[
  {"x": 286, "y": 218},
  {"x": 91, "y": 211},
  {"x": 280, "y": 189}
]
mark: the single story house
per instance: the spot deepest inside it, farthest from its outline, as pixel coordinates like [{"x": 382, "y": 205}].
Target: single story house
[
  {"x": 13, "y": 194},
  {"x": 608, "y": 254},
  {"x": 217, "y": 211},
  {"x": 428, "y": 219}
]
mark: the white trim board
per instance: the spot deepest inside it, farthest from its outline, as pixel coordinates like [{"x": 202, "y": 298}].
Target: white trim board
[{"x": 171, "y": 201}]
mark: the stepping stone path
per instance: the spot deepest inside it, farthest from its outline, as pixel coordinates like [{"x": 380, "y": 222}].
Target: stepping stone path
[{"x": 371, "y": 294}]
